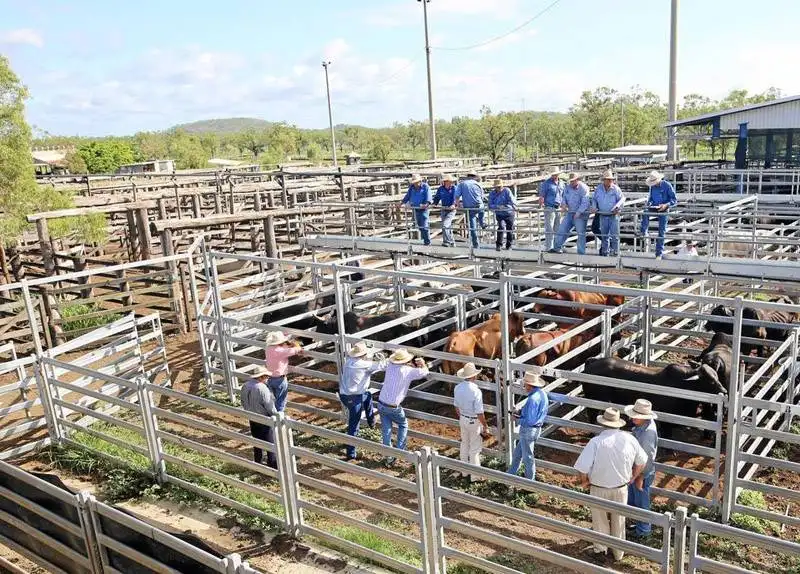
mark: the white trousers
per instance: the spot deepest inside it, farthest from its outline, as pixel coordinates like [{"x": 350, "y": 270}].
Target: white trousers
[
  {"x": 471, "y": 442},
  {"x": 608, "y": 522}
]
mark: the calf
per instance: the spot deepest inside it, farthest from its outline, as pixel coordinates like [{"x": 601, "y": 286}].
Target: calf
[
  {"x": 534, "y": 339},
  {"x": 483, "y": 341},
  {"x": 580, "y": 297}
]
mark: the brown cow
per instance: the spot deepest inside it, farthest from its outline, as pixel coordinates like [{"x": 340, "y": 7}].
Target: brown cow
[
  {"x": 578, "y": 312},
  {"x": 533, "y": 339},
  {"x": 483, "y": 341}
]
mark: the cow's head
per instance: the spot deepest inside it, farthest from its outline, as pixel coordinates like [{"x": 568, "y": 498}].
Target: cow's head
[
  {"x": 709, "y": 378},
  {"x": 516, "y": 325},
  {"x": 548, "y": 294},
  {"x": 325, "y": 324}
]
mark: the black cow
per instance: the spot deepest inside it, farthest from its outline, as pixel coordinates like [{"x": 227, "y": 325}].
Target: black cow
[
  {"x": 289, "y": 311},
  {"x": 773, "y": 333},
  {"x": 719, "y": 356},
  {"x": 353, "y": 322},
  {"x": 699, "y": 378}
]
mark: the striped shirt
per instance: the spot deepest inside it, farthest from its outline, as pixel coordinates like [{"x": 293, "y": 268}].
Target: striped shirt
[
  {"x": 396, "y": 382},
  {"x": 356, "y": 375}
]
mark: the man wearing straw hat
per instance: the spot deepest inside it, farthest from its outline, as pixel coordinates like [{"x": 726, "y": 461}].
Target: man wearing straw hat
[
  {"x": 354, "y": 389},
  {"x": 661, "y": 199},
  {"x": 446, "y": 196},
  {"x": 607, "y": 201},
  {"x": 257, "y": 398},
  {"x": 645, "y": 431},
  {"x": 504, "y": 205},
  {"x": 550, "y": 197},
  {"x": 531, "y": 418},
  {"x": 608, "y": 464},
  {"x": 575, "y": 206},
  {"x": 399, "y": 375},
  {"x": 468, "y": 400},
  {"x": 419, "y": 198},
  {"x": 279, "y": 350},
  {"x": 469, "y": 195}
]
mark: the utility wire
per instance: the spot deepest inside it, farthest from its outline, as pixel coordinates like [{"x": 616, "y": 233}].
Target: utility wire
[
  {"x": 397, "y": 72},
  {"x": 496, "y": 38}
]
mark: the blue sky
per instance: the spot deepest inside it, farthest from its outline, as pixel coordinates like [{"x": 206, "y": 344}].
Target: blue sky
[{"x": 96, "y": 68}]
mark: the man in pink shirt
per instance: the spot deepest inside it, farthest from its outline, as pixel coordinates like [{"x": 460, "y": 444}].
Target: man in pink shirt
[{"x": 279, "y": 350}]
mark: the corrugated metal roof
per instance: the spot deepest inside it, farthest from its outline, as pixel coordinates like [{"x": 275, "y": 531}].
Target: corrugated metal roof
[{"x": 708, "y": 118}]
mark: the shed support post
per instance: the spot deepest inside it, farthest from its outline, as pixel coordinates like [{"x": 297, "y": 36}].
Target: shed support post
[{"x": 732, "y": 439}]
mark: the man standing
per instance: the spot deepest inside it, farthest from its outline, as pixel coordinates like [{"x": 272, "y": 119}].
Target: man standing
[
  {"x": 607, "y": 201},
  {"x": 469, "y": 195},
  {"x": 354, "y": 389},
  {"x": 644, "y": 430},
  {"x": 279, "y": 350},
  {"x": 446, "y": 196},
  {"x": 468, "y": 400},
  {"x": 531, "y": 418},
  {"x": 662, "y": 198},
  {"x": 608, "y": 464},
  {"x": 550, "y": 197},
  {"x": 399, "y": 375},
  {"x": 419, "y": 198},
  {"x": 575, "y": 207},
  {"x": 257, "y": 398},
  {"x": 504, "y": 205}
]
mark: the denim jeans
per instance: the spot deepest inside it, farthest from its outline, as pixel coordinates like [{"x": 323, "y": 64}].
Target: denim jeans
[
  {"x": 280, "y": 389},
  {"x": 567, "y": 223},
  {"x": 448, "y": 215},
  {"x": 422, "y": 219},
  {"x": 391, "y": 416},
  {"x": 474, "y": 218},
  {"x": 641, "y": 499},
  {"x": 609, "y": 234},
  {"x": 662, "y": 229},
  {"x": 265, "y": 433},
  {"x": 552, "y": 220},
  {"x": 355, "y": 405},
  {"x": 523, "y": 452},
  {"x": 505, "y": 227}
]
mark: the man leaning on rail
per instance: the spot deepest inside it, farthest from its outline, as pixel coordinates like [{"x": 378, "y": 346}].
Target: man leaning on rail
[
  {"x": 575, "y": 207},
  {"x": 469, "y": 195},
  {"x": 419, "y": 198},
  {"x": 550, "y": 199},
  {"x": 661, "y": 199},
  {"x": 645, "y": 431},
  {"x": 504, "y": 205},
  {"x": 257, "y": 398},
  {"x": 354, "y": 389},
  {"x": 607, "y": 202},
  {"x": 446, "y": 196},
  {"x": 279, "y": 350},
  {"x": 531, "y": 418}
]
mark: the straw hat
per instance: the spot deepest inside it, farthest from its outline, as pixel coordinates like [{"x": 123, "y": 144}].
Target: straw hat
[
  {"x": 573, "y": 177},
  {"x": 261, "y": 372},
  {"x": 643, "y": 409},
  {"x": 472, "y": 173},
  {"x": 498, "y": 183},
  {"x": 359, "y": 350},
  {"x": 416, "y": 178},
  {"x": 608, "y": 174},
  {"x": 468, "y": 371},
  {"x": 554, "y": 171},
  {"x": 532, "y": 380},
  {"x": 654, "y": 178},
  {"x": 448, "y": 177},
  {"x": 276, "y": 338},
  {"x": 401, "y": 357},
  {"x": 611, "y": 419}
]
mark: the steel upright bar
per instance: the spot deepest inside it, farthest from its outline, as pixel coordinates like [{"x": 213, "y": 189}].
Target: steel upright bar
[
  {"x": 672, "y": 147},
  {"x": 286, "y": 473},
  {"x": 426, "y": 497},
  {"x": 504, "y": 416},
  {"x": 791, "y": 392},
  {"x": 431, "y": 119},
  {"x": 732, "y": 442},
  {"x": 330, "y": 114},
  {"x": 679, "y": 519},
  {"x": 341, "y": 309},
  {"x": 222, "y": 334},
  {"x": 150, "y": 427}
]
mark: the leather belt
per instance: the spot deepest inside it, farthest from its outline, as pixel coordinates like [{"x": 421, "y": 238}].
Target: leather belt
[
  {"x": 387, "y": 404},
  {"x": 610, "y": 487}
]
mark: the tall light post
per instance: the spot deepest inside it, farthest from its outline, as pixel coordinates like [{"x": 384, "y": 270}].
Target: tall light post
[
  {"x": 330, "y": 112},
  {"x": 672, "y": 147},
  {"x": 430, "y": 88}
]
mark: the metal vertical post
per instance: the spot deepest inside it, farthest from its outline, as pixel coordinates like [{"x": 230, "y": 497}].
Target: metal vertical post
[
  {"x": 150, "y": 426},
  {"x": 286, "y": 473},
  {"x": 430, "y": 85},
  {"x": 646, "y": 320},
  {"x": 341, "y": 309},
  {"x": 606, "y": 333},
  {"x": 461, "y": 313},
  {"x": 672, "y": 148},
  {"x": 667, "y": 542},
  {"x": 399, "y": 295},
  {"x": 693, "y": 539},
  {"x": 426, "y": 497},
  {"x": 680, "y": 540},
  {"x": 330, "y": 113},
  {"x": 505, "y": 387},
  {"x": 222, "y": 331},
  {"x": 84, "y": 499},
  {"x": 233, "y": 562},
  {"x": 791, "y": 392},
  {"x": 732, "y": 442},
  {"x": 436, "y": 524}
]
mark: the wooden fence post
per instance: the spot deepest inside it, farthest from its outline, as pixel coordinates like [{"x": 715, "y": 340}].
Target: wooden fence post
[
  {"x": 46, "y": 247},
  {"x": 271, "y": 246},
  {"x": 145, "y": 238},
  {"x": 174, "y": 287},
  {"x": 53, "y": 314},
  {"x": 133, "y": 235}
]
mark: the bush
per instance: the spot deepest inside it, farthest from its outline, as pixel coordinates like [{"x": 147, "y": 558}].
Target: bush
[
  {"x": 753, "y": 499},
  {"x": 77, "y": 311}
]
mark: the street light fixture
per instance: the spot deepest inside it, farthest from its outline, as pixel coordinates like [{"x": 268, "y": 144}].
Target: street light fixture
[{"x": 330, "y": 112}]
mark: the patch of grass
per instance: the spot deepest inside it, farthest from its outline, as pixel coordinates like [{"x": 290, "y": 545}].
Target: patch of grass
[
  {"x": 77, "y": 320},
  {"x": 377, "y": 544},
  {"x": 753, "y": 499}
]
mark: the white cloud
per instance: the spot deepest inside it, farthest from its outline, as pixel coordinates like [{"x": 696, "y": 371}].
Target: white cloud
[{"x": 24, "y": 36}]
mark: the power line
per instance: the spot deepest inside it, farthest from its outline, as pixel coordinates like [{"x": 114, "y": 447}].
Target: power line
[
  {"x": 397, "y": 72},
  {"x": 496, "y": 38}
]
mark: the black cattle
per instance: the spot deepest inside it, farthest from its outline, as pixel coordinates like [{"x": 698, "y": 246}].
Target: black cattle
[
  {"x": 699, "y": 378},
  {"x": 353, "y": 322},
  {"x": 289, "y": 311},
  {"x": 751, "y": 331},
  {"x": 719, "y": 356}
]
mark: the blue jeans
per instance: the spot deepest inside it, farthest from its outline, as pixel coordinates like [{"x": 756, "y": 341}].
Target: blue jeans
[
  {"x": 355, "y": 405},
  {"x": 474, "y": 218},
  {"x": 505, "y": 227},
  {"x": 265, "y": 433},
  {"x": 422, "y": 219},
  {"x": 662, "y": 229},
  {"x": 523, "y": 452},
  {"x": 609, "y": 234},
  {"x": 391, "y": 416},
  {"x": 552, "y": 222},
  {"x": 448, "y": 215},
  {"x": 280, "y": 389},
  {"x": 641, "y": 499},
  {"x": 568, "y": 222}
]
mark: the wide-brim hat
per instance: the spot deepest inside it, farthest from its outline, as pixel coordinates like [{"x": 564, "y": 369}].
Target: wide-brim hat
[
  {"x": 643, "y": 409},
  {"x": 401, "y": 357},
  {"x": 468, "y": 371},
  {"x": 611, "y": 419},
  {"x": 276, "y": 338},
  {"x": 359, "y": 350},
  {"x": 498, "y": 183},
  {"x": 533, "y": 380},
  {"x": 654, "y": 178},
  {"x": 261, "y": 372},
  {"x": 608, "y": 174},
  {"x": 574, "y": 177},
  {"x": 554, "y": 171},
  {"x": 448, "y": 177},
  {"x": 416, "y": 178},
  {"x": 472, "y": 173}
]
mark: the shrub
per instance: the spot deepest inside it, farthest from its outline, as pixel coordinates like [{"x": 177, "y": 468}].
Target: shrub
[{"x": 78, "y": 322}]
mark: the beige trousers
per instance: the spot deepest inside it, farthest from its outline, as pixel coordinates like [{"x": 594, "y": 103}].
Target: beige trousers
[
  {"x": 608, "y": 522},
  {"x": 471, "y": 442}
]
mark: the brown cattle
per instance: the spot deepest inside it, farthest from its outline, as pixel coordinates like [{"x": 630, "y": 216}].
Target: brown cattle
[
  {"x": 578, "y": 312},
  {"x": 483, "y": 341},
  {"x": 534, "y": 339}
]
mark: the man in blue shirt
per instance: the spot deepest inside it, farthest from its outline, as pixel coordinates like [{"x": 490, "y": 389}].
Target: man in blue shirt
[
  {"x": 662, "y": 198},
  {"x": 469, "y": 195},
  {"x": 419, "y": 198},
  {"x": 504, "y": 205},
  {"x": 354, "y": 389},
  {"x": 550, "y": 197},
  {"x": 446, "y": 196},
  {"x": 607, "y": 202},
  {"x": 575, "y": 206},
  {"x": 531, "y": 419},
  {"x": 646, "y": 433}
]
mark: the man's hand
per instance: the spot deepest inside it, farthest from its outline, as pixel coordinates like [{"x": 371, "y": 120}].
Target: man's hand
[
  {"x": 564, "y": 209},
  {"x": 615, "y": 211},
  {"x": 592, "y": 210},
  {"x": 451, "y": 208},
  {"x": 639, "y": 482},
  {"x": 663, "y": 207}
]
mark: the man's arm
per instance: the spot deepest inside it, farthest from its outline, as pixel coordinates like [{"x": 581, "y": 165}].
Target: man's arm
[
  {"x": 406, "y": 197},
  {"x": 267, "y": 401},
  {"x": 428, "y": 195},
  {"x": 583, "y": 480},
  {"x": 637, "y": 478},
  {"x": 620, "y": 202},
  {"x": 672, "y": 199},
  {"x": 512, "y": 199}
]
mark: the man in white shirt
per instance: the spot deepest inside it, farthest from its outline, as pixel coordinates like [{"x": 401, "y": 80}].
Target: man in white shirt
[
  {"x": 468, "y": 400},
  {"x": 608, "y": 464},
  {"x": 399, "y": 375},
  {"x": 354, "y": 389}
]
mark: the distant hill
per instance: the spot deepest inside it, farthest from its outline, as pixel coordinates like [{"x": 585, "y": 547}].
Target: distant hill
[{"x": 223, "y": 125}]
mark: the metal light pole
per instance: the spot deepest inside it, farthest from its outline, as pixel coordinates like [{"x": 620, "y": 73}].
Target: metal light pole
[
  {"x": 330, "y": 112},
  {"x": 672, "y": 148},
  {"x": 430, "y": 88}
]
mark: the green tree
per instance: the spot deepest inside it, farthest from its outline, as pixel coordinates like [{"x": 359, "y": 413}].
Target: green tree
[
  {"x": 151, "y": 145},
  {"x": 187, "y": 150},
  {"x": 417, "y": 134},
  {"x": 494, "y": 133},
  {"x": 253, "y": 141},
  {"x": 313, "y": 152},
  {"x": 75, "y": 163},
  {"x": 106, "y": 156},
  {"x": 381, "y": 148}
]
